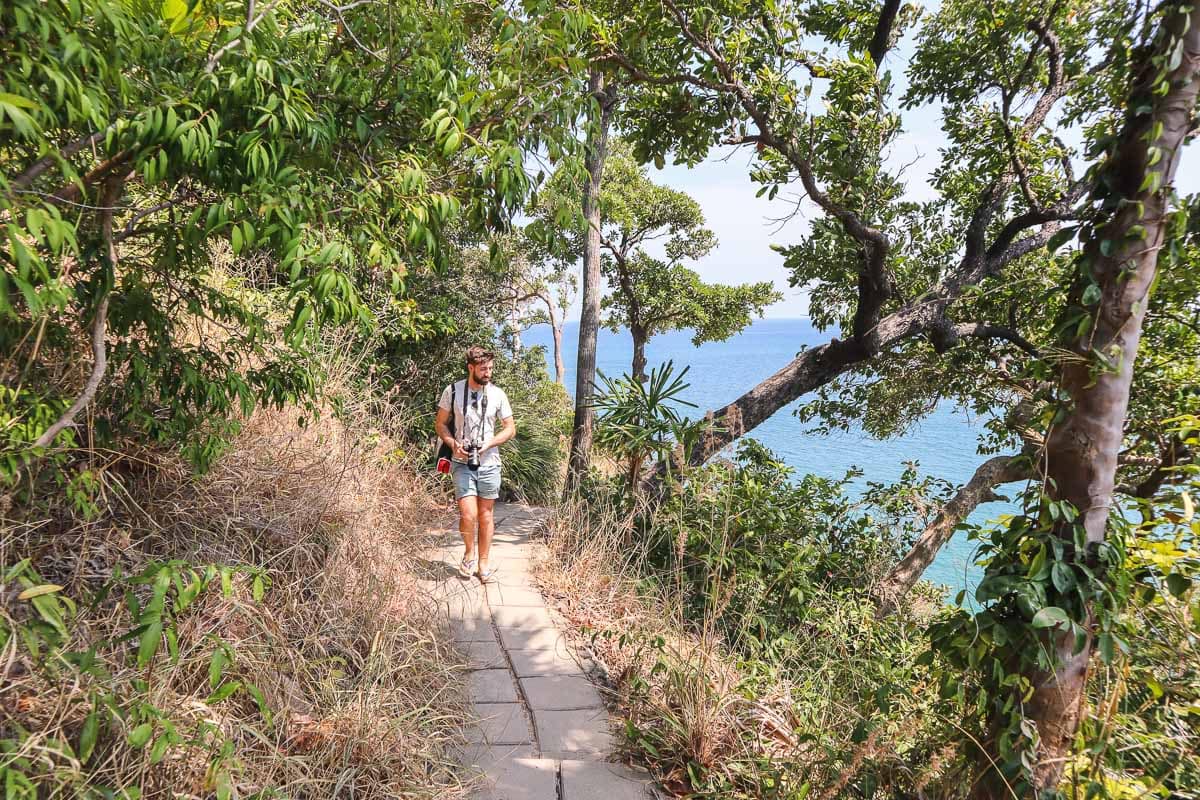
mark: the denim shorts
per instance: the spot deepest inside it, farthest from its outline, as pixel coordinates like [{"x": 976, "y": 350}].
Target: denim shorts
[{"x": 484, "y": 482}]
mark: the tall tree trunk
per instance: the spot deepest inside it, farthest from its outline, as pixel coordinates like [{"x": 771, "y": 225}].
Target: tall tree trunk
[
  {"x": 589, "y": 320},
  {"x": 556, "y": 326},
  {"x": 881, "y": 39},
  {"x": 637, "y": 327},
  {"x": 1121, "y": 256},
  {"x": 639, "y": 353},
  {"x": 514, "y": 323}
]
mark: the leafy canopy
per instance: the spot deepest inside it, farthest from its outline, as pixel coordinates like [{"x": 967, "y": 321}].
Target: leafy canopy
[{"x": 245, "y": 157}]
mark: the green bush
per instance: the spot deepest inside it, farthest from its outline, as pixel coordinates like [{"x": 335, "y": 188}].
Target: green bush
[
  {"x": 757, "y": 549},
  {"x": 760, "y": 668},
  {"x": 779, "y": 572},
  {"x": 534, "y": 461}
]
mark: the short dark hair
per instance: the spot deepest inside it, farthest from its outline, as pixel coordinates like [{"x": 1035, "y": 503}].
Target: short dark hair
[{"x": 478, "y": 355}]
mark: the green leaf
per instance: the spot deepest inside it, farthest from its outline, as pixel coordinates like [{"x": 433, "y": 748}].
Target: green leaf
[
  {"x": 1178, "y": 584},
  {"x": 140, "y": 735},
  {"x": 1176, "y": 57},
  {"x": 21, "y": 122},
  {"x": 50, "y": 609},
  {"x": 216, "y": 667},
  {"x": 223, "y": 692},
  {"x": 1085, "y": 325},
  {"x": 261, "y": 700},
  {"x": 38, "y": 591},
  {"x": 172, "y": 643},
  {"x": 1061, "y": 238},
  {"x": 159, "y": 749},
  {"x": 1049, "y": 617},
  {"x": 17, "y": 100},
  {"x": 148, "y": 644},
  {"x": 88, "y": 735},
  {"x": 1091, "y": 295},
  {"x": 1037, "y": 566},
  {"x": 1062, "y": 577}
]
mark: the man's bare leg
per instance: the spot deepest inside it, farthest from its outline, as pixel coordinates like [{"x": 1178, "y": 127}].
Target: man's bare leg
[
  {"x": 468, "y": 519},
  {"x": 487, "y": 526}
]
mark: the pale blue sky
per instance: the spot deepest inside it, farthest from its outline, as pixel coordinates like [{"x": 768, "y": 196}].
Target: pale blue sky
[{"x": 746, "y": 226}]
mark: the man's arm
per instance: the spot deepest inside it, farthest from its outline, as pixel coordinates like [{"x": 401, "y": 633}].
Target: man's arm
[
  {"x": 508, "y": 429},
  {"x": 441, "y": 424}
]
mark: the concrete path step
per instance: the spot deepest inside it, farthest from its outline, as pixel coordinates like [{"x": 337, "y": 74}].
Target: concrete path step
[{"x": 540, "y": 731}]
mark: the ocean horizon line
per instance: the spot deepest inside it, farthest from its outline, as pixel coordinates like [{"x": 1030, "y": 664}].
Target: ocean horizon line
[{"x": 805, "y": 318}]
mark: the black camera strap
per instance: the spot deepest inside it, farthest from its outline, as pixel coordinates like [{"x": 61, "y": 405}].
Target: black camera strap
[{"x": 483, "y": 403}]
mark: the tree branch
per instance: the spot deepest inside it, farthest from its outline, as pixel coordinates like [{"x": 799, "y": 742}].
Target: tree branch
[
  {"x": 130, "y": 227},
  {"x": 1165, "y": 471},
  {"x": 873, "y": 331},
  {"x": 881, "y": 39},
  {"x": 251, "y": 23},
  {"x": 992, "y": 197},
  {"x": 665, "y": 80},
  {"x": 619, "y": 252},
  {"x": 990, "y": 474},
  {"x": 876, "y": 285},
  {"x": 982, "y": 330},
  {"x": 517, "y": 297},
  {"x": 101, "y": 172},
  {"x": 38, "y": 168},
  {"x": 108, "y": 199}
]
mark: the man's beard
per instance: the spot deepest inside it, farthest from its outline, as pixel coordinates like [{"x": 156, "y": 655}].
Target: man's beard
[{"x": 481, "y": 380}]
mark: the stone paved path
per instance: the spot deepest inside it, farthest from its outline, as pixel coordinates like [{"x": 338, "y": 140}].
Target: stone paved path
[{"x": 542, "y": 732}]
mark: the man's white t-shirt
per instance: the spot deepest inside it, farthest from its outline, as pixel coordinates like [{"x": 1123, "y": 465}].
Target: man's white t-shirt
[{"x": 479, "y": 426}]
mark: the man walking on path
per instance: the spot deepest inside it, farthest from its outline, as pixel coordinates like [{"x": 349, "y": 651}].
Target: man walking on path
[{"x": 476, "y": 404}]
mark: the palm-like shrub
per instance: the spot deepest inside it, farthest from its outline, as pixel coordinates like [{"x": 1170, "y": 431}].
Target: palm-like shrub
[{"x": 638, "y": 421}]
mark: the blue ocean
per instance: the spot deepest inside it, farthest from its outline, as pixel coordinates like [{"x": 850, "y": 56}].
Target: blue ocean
[{"x": 943, "y": 444}]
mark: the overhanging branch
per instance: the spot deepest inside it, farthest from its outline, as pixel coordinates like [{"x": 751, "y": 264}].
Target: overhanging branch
[
  {"x": 38, "y": 168},
  {"x": 978, "y": 490},
  {"x": 982, "y": 330}
]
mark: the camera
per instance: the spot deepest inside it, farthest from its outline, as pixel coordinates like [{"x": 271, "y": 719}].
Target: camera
[{"x": 472, "y": 456}]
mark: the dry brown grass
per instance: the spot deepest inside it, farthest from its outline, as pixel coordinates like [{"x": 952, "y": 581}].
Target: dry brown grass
[
  {"x": 674, "y": 682},
  {"x": 365, "y": 694}
]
